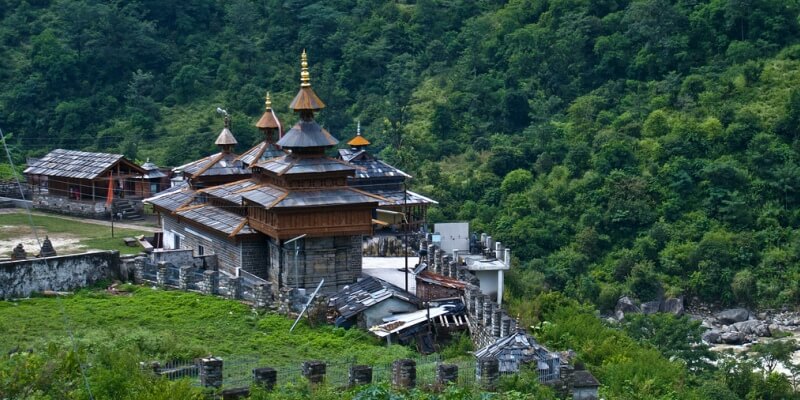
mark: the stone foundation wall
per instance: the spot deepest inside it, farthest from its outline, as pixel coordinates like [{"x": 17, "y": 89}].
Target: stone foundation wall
[
  {"x": 60, "y": 273},
  {"x": 64, "y": 205},
  {"x": 335, "y": 259}
]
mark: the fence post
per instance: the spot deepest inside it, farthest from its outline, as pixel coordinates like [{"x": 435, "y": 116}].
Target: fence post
[
  {"x": 262, "y": 293},
  {"x": 235, "y": 287},
  {"x": 210, "y": 282},
  {"x": 404, "y": 374},
  {"x": 505, "y": 327},
  {"x": 446, "y": 373},
  {"x": 265, "y": 377},
  {"x": 488, "y": 372},
  {"x": 488, "y": 309},
  {"x": 360, "y": 375},
  {"x": 211, "y": 372},
  {"x": 236, "y": 393},
  {"x": 183, "y": 277},
  {"x": 314, "y": 371},
  {"x": 161, "y": 274}
]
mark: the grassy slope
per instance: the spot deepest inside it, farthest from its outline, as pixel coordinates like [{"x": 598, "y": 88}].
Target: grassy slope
[
  {"x": 172, "y": 324},
  {"x": 92, "y": 236}
]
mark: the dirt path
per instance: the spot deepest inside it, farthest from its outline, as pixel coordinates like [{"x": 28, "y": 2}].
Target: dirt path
[{"x": 123, "y": 225}]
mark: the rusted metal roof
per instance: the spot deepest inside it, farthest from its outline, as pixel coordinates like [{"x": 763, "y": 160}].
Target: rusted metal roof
[
  {"x": 78, "y": 164},
  {"x": 359, "y": 296},
  {"x": 306, "y": 99},
  {"x": 441, "y": 280},
  {"x": 307, "y": 133},
  {"x": 215, "y": 165}
]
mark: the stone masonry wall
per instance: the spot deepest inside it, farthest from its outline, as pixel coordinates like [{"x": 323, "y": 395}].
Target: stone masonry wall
[
  {"x": 335, "y": 259},
  {"x": 61, "y": 273},
  {"x": 228, "y": 251},
  {"x": 63, "y": 205}
]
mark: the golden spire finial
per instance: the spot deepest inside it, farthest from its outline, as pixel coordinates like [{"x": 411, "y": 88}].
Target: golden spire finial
[
  {"x": 268, "y": 102},
  {"x": 305, "y": 79}
]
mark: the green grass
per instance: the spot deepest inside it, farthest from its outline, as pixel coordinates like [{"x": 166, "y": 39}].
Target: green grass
[
  {"x": 168, "y": 325},
  {"x": 89, "y": 236}
]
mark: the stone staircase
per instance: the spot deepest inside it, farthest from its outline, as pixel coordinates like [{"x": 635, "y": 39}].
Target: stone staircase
[{"x": 128, "y": 210}]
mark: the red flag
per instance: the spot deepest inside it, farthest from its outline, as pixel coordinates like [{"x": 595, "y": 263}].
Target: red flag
[{"x": 110, "y": 195}]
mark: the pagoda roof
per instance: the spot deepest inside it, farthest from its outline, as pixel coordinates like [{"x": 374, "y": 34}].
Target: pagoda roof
[
  {"x": 216, "y": 218},
  {"x": 289, "y": 164},
  {"x": 307, "y": 133},
  {"x": 270, "y": 197},
  {"x": 306, "y": 99},
  {"x": 225, "y": 138},
  {"x": 261, "y": 152},
  {"x": 269, "y": 120},
  {"x": 218, "y": 164},
  {"x": 358, "y": 141}
]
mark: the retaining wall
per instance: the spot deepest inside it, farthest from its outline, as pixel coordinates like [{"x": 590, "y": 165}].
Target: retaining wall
[{"x": 60, "y": 273}]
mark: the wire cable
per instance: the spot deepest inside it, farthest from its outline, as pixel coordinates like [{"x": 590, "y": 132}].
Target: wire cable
[{"x": 67, "y": 324}]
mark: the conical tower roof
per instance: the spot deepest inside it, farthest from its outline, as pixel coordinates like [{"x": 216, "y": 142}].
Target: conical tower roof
[
  {"x": 358, "y": 140},
  {"x": 268, "y": 120}
]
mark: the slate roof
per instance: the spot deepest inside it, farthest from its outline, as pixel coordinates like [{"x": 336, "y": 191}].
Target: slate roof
[
  {"x": 396, "y": 197},
  {"x": 77, "y": 164},
  {"x": 584, "y": 379},
  {"x": 516, "y": 349},
  {"x": 260, "y": 152},
  {"x": 289, "y": 164},
  {"x": 365, "y": 293},
  {"x": 172, "y": 198},
  {"x": 371, "y": 168},
  {"x": 274, "y": 197},
  {"x": 216, "y": 218},
  {"x": 231, "y": 192},
  {"x": 307, "y": 133},
  {"x": 265, "y": 195},
  {"x": 215, "y": 165},
  {"x": 151, "y": 171}
]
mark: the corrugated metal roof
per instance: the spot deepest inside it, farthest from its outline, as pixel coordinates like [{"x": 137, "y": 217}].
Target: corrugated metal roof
[
  {"x": 76, "y": 164},
  {"x": 307, "y": 133},
  {"x": 402, "y": 321},
  {"x": 371, "y": 168},
  {"x": 441, "y": 280},
  {"x": 365, "y": 293}
]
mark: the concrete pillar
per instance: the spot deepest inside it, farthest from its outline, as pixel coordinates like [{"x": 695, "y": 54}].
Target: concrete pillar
[
  {"x": 360, "y": 375},
  {"x": 265, "y": 377},
  {"x": 500, "y": 284},
  {"x": 404, "y": 374},
  {"x": 489, "y": 245},
  {"x": 507, "y": 258},
  {"x": 183, "y": 277},
  {"x": 446, "y": 374},
  {"x": 314, "y": 371},
  {"x": 161, "y": 274},
  {"x": 512, "y": 327},
  {"x": 498, "y": 251},
  {"x": 235, "y": 287},
  {"x": 210, "y": 282},
  {"x": 453, "y": 269},
  {"x": 478, "y": 310},
  {"x": 505, "y": 327},
  {"x": 497, "y": 317},
  {"x": 138, "y": 269},
  {"x": 211, "y": 372},
  {"x": 488, "y": 372},
  {"x": 263, "y": 294},
  {"x": 483, "y": 239}
]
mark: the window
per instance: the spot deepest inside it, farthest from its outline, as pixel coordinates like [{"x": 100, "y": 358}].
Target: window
[{"x": 200, "y": 250}]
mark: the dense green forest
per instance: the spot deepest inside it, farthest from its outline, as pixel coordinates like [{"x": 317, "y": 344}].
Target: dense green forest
[{"x": 645, "y": 147}]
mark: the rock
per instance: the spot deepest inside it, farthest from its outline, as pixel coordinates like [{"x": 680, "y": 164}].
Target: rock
[
  {"x": 651, "y": 307},
  {"x": 673, "y": 306},
  {"x": 756, "y": 328},
  {"x": 625, "y": 306},
  {"x": 773, "y": 328},
  {"x": 711, "y": 337},
  {"x": 731, "y": 337},
  {"x": 733, "y": 315}
]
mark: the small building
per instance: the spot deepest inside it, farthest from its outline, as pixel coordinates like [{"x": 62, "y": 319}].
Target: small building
[
  {"x": 153, "y": 180},
  {"x": 76, "y": 182},
  {"x": 514, "y": 351},
  {"x": 367, "y": 302},
  {"x": 584, "y": 386}
]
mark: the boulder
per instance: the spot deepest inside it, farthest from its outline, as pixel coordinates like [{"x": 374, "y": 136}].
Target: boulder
[
  {"x": 651, "y": 307},
  {"x": 753, "y": 327},
  {"x": 733, "y": 315},
  {"x": 625, "y": 306},
  {"x": 711, "y": 337},
  {"x": 673, "y": 306},
  {"x": 731, "y": 337}
]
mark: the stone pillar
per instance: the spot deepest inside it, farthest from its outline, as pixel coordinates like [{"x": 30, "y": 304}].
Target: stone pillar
[
  {"x": 497, "y": 317},
  {"x": 404, "y": 374},
  {"x": 431, "y": 250},
  {"x": 468, "y": 302},
  {"x": 507, "y": 258},
  {"x": 453, "y": 271},
  {"x": 446, "y": 373},
  {"x": 210, "y": 282},
  {"x": 262, "y": 293},
  {"x": 505, "y": 327},
  {"x": 488, "y": 372},
  {"x": 314, "y": 371},
  {"x": 478, "y": 314},
  {"x": 236, "y": 393},
  {"x": 512, "y": 326},
  {"x": 265, "y": 377},
  {"x": 161, "y": 274},
  {"x": 235, "y": 287},
  {"x": 183, "y": 277},
  {"x": 211, "y": 372},
  {"x": 360, "y": 375},
  {"x": 455, "y": 256},
  {"x": 138, "y": 269},
  {"x": 437, "y": 262},
  {"x": 488, "y": 309}
]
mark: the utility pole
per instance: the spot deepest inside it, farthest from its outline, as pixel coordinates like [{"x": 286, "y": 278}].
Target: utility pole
[{"x": 405, "y": 232}]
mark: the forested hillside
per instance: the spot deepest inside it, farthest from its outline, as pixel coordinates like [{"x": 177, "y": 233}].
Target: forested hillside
[{"x": 618, "y": 147}]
